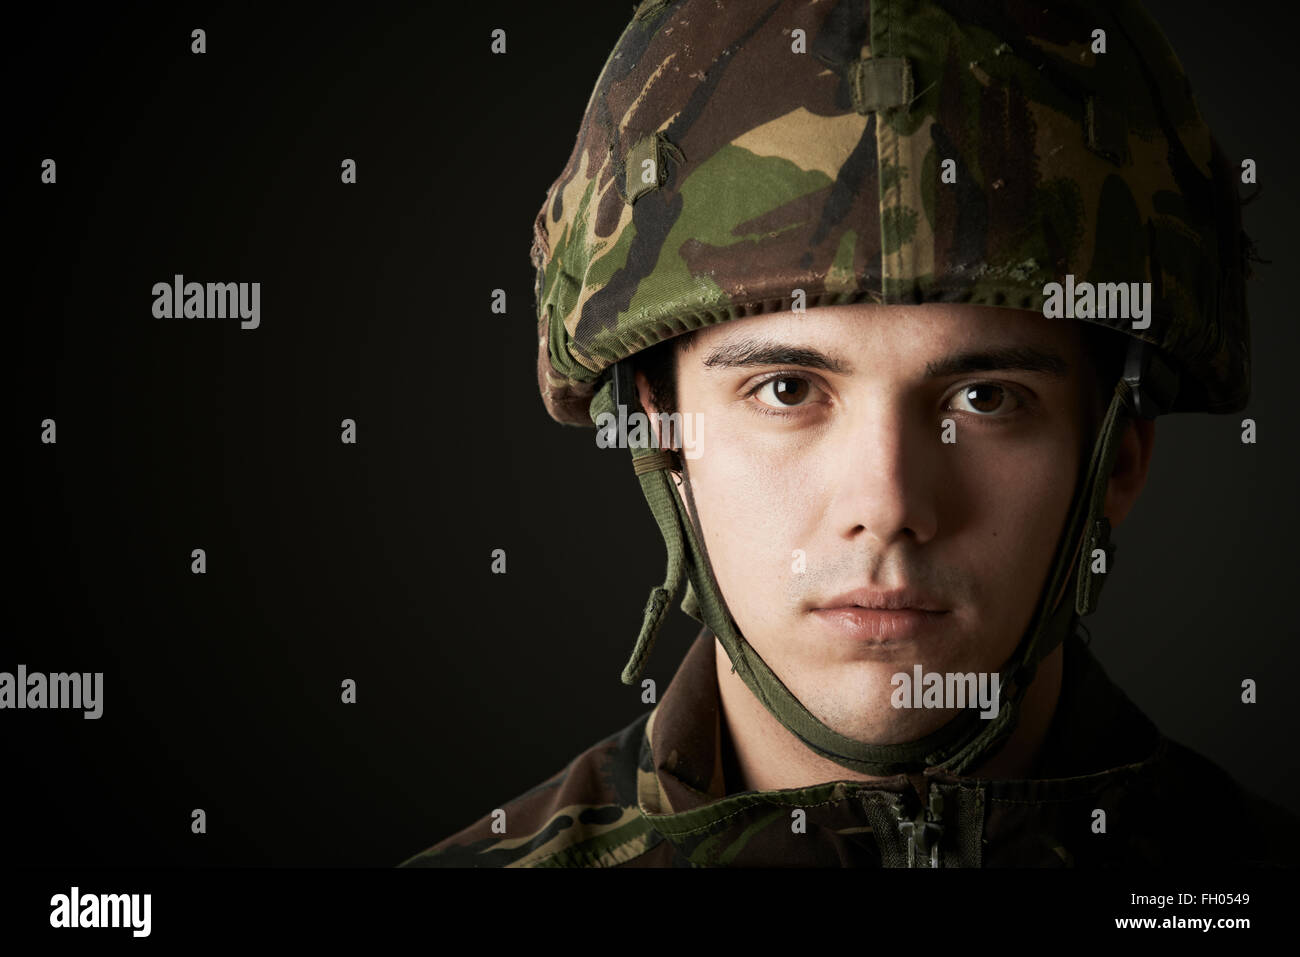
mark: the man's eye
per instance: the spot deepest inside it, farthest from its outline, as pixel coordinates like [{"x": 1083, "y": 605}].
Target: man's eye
[
  {"x": 986, "y": 399},
  {"x": 783, "y": 392}
]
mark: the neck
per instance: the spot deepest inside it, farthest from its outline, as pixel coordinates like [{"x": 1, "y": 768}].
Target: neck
[{"x": 766, "y": 756}]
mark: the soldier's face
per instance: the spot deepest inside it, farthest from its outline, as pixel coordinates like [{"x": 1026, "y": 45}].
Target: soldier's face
[{"x": 852, "y": 453}]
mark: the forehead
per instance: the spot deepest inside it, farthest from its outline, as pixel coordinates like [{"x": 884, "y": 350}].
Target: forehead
[{"x": 871, "y": 336}]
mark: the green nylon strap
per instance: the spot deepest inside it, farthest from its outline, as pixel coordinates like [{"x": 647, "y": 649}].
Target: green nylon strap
[
  {"x": 1105, "y": 130},
  {"x": 654, "y": 462},
  {"x": 880, "y": 83},
  {"x": 645, "y": 161},
  {"x": 965, "y": 739},
  {"x": 651, "y": 466}
]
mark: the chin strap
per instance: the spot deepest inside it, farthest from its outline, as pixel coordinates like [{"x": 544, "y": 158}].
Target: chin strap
[{"x": 967, "y": 738}]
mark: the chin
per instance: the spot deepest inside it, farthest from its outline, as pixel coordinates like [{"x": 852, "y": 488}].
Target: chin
[{"x": 885, "y": 726}]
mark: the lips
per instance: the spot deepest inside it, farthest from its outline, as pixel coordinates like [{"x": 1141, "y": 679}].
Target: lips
[
  {"x": 882, "y": 627},
  {"x": 900, "y": 599}
]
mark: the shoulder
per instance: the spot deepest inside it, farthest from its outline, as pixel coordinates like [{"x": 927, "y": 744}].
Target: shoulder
[
  {"x": 1214, "y": 819},
  {"x": 584, "y": 816},
  {"x": 1176, "y": 805}
]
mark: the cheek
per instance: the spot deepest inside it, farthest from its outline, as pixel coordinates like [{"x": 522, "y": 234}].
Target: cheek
[
  {"x": 751, "y": 504},
  {"x": 1016, "y": 496}
]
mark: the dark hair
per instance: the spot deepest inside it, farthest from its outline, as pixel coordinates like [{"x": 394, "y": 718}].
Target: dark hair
[
  {"x": 1104, "y": 347},
  {"x": 659, "y": 364}
]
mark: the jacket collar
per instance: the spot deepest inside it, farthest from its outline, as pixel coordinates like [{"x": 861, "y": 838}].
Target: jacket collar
[{"x": 1098, "y": 739}]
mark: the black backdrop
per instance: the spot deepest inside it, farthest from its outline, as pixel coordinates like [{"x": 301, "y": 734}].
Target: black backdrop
[{"x": 372, "y": 561}]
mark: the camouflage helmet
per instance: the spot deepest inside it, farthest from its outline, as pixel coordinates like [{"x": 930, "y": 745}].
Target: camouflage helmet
[{"x": 740, "y": 158}]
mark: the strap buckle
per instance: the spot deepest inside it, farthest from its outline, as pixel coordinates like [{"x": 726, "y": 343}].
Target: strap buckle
[
  {"x": 624, "y": 392},
  {"x": 1153, "y": 382}
]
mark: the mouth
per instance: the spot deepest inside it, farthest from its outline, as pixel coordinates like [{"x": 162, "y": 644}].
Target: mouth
[
  {"x": 900, "y": 599},
  {"x": 882, "y": 617},
  {"x": 881, "y": 625}
]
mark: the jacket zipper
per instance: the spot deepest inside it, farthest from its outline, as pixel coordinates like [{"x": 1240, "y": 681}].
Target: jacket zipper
[{"x": 923, "y": 829}]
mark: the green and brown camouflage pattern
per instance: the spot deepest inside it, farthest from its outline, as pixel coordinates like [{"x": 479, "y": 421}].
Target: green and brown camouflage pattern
[
  {"x": 655, "y": 795},
  {"x": 777, "y": 170}
]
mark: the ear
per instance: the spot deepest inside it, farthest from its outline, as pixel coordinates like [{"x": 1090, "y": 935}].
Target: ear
[
  {"x": 648, "y": 407},
  {"x": 1132, "y": 461},
  {"x": 643, "y": 392}
]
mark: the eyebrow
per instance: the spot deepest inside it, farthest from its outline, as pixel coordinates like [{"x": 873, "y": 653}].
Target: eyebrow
[{"x": 764, "y": 352}]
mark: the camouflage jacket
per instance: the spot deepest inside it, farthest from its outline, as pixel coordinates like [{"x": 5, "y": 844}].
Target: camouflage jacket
[{"x": 655, "y": 795}]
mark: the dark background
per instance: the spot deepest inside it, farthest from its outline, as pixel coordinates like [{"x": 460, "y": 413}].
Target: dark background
[{"x": 372, "y": 562}]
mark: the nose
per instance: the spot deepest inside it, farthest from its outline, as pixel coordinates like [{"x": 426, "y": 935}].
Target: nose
[{"x": 889, "y": 477}]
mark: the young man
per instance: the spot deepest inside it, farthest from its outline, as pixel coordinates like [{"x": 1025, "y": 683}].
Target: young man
[
  {"x": 824, "y": 485},
  {"x": 902, "y": 286}
]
